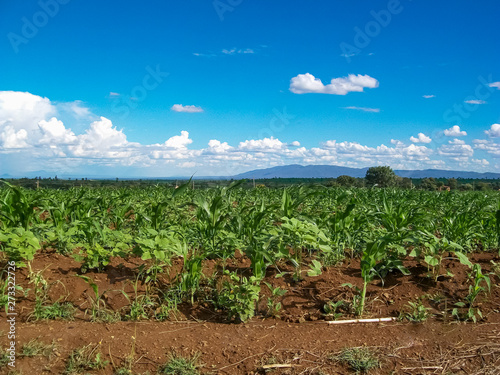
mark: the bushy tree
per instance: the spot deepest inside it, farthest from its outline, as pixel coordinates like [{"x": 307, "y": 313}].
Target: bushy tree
[
  {"x": 428, "y": 184},
  {"x": 380, "y": 176},
  {"x": 452, "y": 183},
  {"x": 346, "y": 181}
]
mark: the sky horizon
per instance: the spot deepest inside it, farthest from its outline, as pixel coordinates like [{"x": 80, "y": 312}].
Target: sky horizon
[{"x": 218, "y": 88}]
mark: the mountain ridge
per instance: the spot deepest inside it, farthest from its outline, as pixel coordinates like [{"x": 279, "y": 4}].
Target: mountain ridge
[{"x": 333, "y": 171}]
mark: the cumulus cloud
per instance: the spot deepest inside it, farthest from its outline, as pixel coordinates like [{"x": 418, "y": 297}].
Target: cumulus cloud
[
  {"x": 421, "y": 138},
  {"x": 495, "y": 84},
  {"x": 458, "y": 151},
  {"x": 428, "y": 96},
  {"x": 266, "y": 144},
  {"x": 179, "y": 141},
  {"x": 456, "y": 142},
  {"x": 455, "y": 131},
  {"x": 218, "y": 147},
  {"x": 307, "y": 83},
  {"x": 364, "y": 109},
  {"x": 39, "y": 139},
  {"x": 22, "y": 110},
  {"x": 101, "y": 140},
  {"x": 186, "y": 108},
  {"x": 10, "y": 139},
  {"x": 494, "y": 131},
  {"x": 481, "y": 162},
  {"x": 55, "y": 133}
]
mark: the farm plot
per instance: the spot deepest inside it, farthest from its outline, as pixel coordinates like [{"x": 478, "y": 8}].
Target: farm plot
[{"x": 230, "y": 280}]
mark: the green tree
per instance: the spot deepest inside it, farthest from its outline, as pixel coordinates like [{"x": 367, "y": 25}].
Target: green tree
[
  {"x": 428, "y": 184},
  {"x": 346, "y": 181},
  {"x": 452, "y": 183},
  {"x": 380, "y": 176},
  {"x": 404, "y": 182}
]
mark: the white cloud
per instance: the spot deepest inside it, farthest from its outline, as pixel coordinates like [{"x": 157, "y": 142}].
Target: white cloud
[
  {"x": 101, "y": 140},
  {"x": 364, "y": 109},
  {"x": 234, "y": 51},
  {"x": 455, "y": 131},
  {"x": 179, "y": 141},
  {"x": 55, "y": 133},
  {"x": 44, "y": 142},
  {"x": 457, "y": 151},
  {"x": 428, "y": 96},
  {"x": 76, "y": 108},
  {"x": 475, "y": 101},
  {"x": 494, "y": 131},
  {"x": 422, "y": 138},
  {"x": 114, "y": 94},
  {"x": 186, "y": 108},
  {"x": 265, "y": 144},
  {"x": 307, "y": 83},
  {"x": 218, "y": 147},
  {"x": 456, "y": 142},
  {"x": 481, "y": 162},
  {"x": 10, "y": 139},
  {"x": 495, "y": 84},
  {"x": 22, "y": 110}
]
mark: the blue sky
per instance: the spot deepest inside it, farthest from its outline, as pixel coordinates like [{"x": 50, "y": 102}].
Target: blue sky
[{"x": 165, "y": 88}]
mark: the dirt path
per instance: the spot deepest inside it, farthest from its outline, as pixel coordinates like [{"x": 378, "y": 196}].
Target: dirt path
[{"x": 403, "y": 348}]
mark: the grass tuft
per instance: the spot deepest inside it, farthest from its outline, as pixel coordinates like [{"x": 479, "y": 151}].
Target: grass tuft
[
  {"x": 35, "y": 348},
  {"x": 85, "y": 359},
  {"x": 178, "y": 365},
  {"x": 359, "y": 359}
]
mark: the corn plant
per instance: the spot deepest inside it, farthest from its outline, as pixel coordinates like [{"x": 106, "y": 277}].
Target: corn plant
[
  {"x": 17, "y": 208},
  {"x": 432, "y": 249},
  {"x": 376, "y": 261},
  {"x": 474, "y": 290}
]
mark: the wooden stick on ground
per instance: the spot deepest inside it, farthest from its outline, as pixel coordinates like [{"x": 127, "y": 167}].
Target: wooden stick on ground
[{"x": 373, "y": 320}]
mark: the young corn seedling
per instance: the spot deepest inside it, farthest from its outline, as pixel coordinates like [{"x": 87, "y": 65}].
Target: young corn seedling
[
  {"x": 375, "y": 261},
  {"x": 474, "y": 291}
]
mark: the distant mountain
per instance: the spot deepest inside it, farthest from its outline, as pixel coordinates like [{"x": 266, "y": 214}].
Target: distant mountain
[
  {"x": 300, "y": 171},
  {"x": 332, "y": 171}
]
